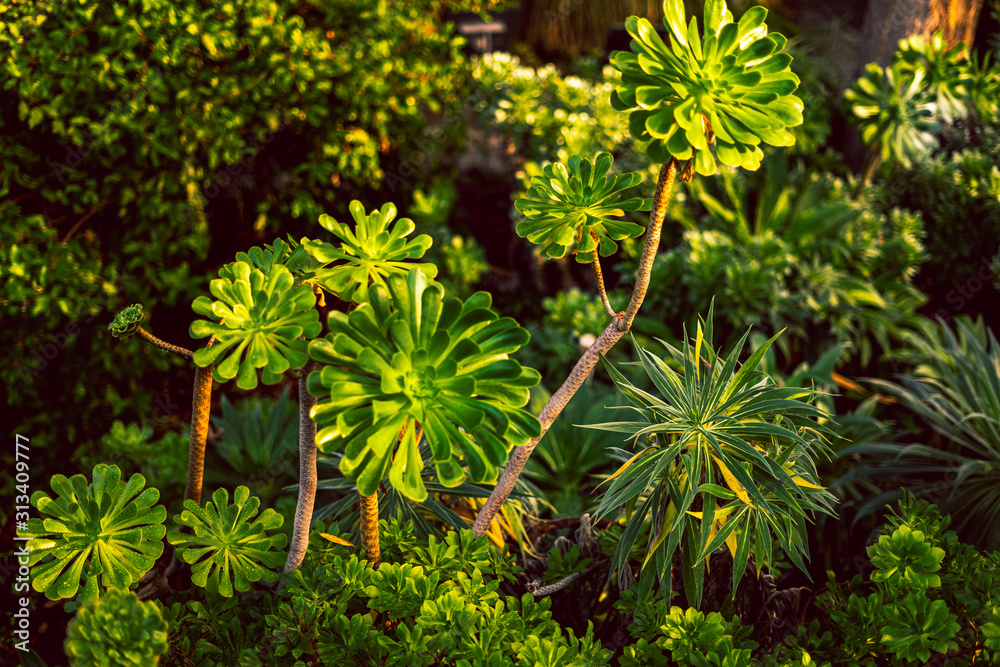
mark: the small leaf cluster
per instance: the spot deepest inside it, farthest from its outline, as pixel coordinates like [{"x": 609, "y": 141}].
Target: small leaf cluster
[
  {"x": 928, "y": 595},
  {"x": 116, "y": 630},
  {"x": 127, "y": 321},
  {"x": 439, "y": 605},
  {"x": 693, "y": 639}
]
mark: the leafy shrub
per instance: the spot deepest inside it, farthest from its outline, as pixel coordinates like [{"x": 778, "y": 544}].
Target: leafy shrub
[
  {"x": 958, "y": 197},
  {"x": 788, "y": 249},
  {"x": 115, "y": 185},
  {"x": 116, "y": 629},
  {"x": 427, "y": 602}
]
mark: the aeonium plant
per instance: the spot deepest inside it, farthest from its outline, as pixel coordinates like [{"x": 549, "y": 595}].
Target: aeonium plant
[{"x": 729, "y": 87}]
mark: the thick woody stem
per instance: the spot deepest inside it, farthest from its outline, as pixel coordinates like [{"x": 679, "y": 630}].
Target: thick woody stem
[
  {"x": 307, "y": 474},
  {"x": 201, "y": 406},
  {"x": 610, "y": 336},
  {"x": 163, "y": 345},
  {"x": 661, "y": 200},
  {"x": 600, "y": 279},
  {"x": 369, "y": 528}
]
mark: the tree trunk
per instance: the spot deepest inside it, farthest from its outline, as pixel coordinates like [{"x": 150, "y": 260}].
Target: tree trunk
[
  {"x": 307, "y": 474},
  {"x": 888, "y": 21}
]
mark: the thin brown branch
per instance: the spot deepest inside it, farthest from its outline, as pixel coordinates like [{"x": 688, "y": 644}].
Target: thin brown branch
[
  {"x": 201, "y": 405},
  {"x": 163, "y": 345},
  {"x": 600, "y": 277},
  {"x": 607, "y": 340}
]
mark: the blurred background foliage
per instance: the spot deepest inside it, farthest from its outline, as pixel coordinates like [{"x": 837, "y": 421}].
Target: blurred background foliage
[{"x": 143, "y": 144}]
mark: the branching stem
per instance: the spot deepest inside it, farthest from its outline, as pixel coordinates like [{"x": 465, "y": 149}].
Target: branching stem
[
  {"x": 610, "y": 336},
  {"x": 600, "y": 279},
  {"x": 163, "y": 345}
]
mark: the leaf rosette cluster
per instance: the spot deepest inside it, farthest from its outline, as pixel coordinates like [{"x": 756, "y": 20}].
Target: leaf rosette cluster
[
  {"x": 730, "y": 88},
  {"x": 227, "y": 550},
  {"x": 127, "y": 321},
  {"x": 370, "y": 252},
  {"x": 410, "y": 362},
  {"x": 109, "y": 532},
  {"x": 574, "y": 205},
  {"x": 116, "y": 630},
  {"x": 261, "y": 317}
]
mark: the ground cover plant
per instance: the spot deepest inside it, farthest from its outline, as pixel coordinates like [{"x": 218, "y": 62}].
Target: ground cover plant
[{"x": 386, "y": 463}]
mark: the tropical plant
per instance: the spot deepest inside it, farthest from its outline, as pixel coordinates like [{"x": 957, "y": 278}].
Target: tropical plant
[
  {"x": 677, "y": 102},
  {"x": 731, "y": 88},
  {"x": 369, "y": 253},
  {"x": 408, "y": 362},
  {"x": 109, "y": 532},
  {"x": 116, "y": 630},
  {"x": 261, "y": 318},
  {"x": 895, "y": 113},
  {"x": 228, "y": 552},
  {"x": 954, "y": 391},
  {"x": 725, "y": 457}
]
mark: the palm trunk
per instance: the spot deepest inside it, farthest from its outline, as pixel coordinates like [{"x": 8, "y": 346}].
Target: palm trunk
[
  {"x": 307, "y": 475},
  {"x": 618, "y": 327},
  {"x": 369, "y": 528}
]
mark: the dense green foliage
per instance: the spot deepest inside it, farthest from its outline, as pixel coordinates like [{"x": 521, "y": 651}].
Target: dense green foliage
[{"x": 117, "y": 630}]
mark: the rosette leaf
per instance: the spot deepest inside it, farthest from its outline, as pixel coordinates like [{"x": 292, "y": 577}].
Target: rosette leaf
[
  {"x": 906, "y": 560},
  {"x": 574, "y": 205},
  {"x": 729, "y": 88},
  {"x": 127, "y": 321},
  {"x": 262, "y": 317},
  {"x": 896, "y": 119},
  {"x": 368, "y": 253},
  {"x": 109, "y": 532},
  {"x": 410, "y": 362},
  {"x": 227, "y": 551},
  {"x": 116, "y": 629},
  {"x": 918, "y": 627},
  {"x": 943, "y": 70}
]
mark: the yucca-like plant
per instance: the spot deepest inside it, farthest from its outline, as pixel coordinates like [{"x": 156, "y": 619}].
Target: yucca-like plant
[
  {"x": 410, "y": 363},
  {"x": 895, "y": 114},
  {"x": 228, "y": 552},
  {"x": 728, "y": 86},
  {"x": 369, "y": 253},
  {"x": 116, "y": 630},
  {"x": 724, "y": 457},
  {"x": 109, "y": 532},
  {"x": 955, "y": 390}
]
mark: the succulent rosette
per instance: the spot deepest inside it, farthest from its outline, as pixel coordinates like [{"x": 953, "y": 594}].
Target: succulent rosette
[
  {"x": 368, "y": 253},
  {"x": 896, "y": 117},
  {"x": 127, "y": 321},
  {"x": 575, "y": 205},
  {"x": 730, "y": 88},
  {"x": 411, "y": 364},
  {"x": 257, "y": 320}
]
